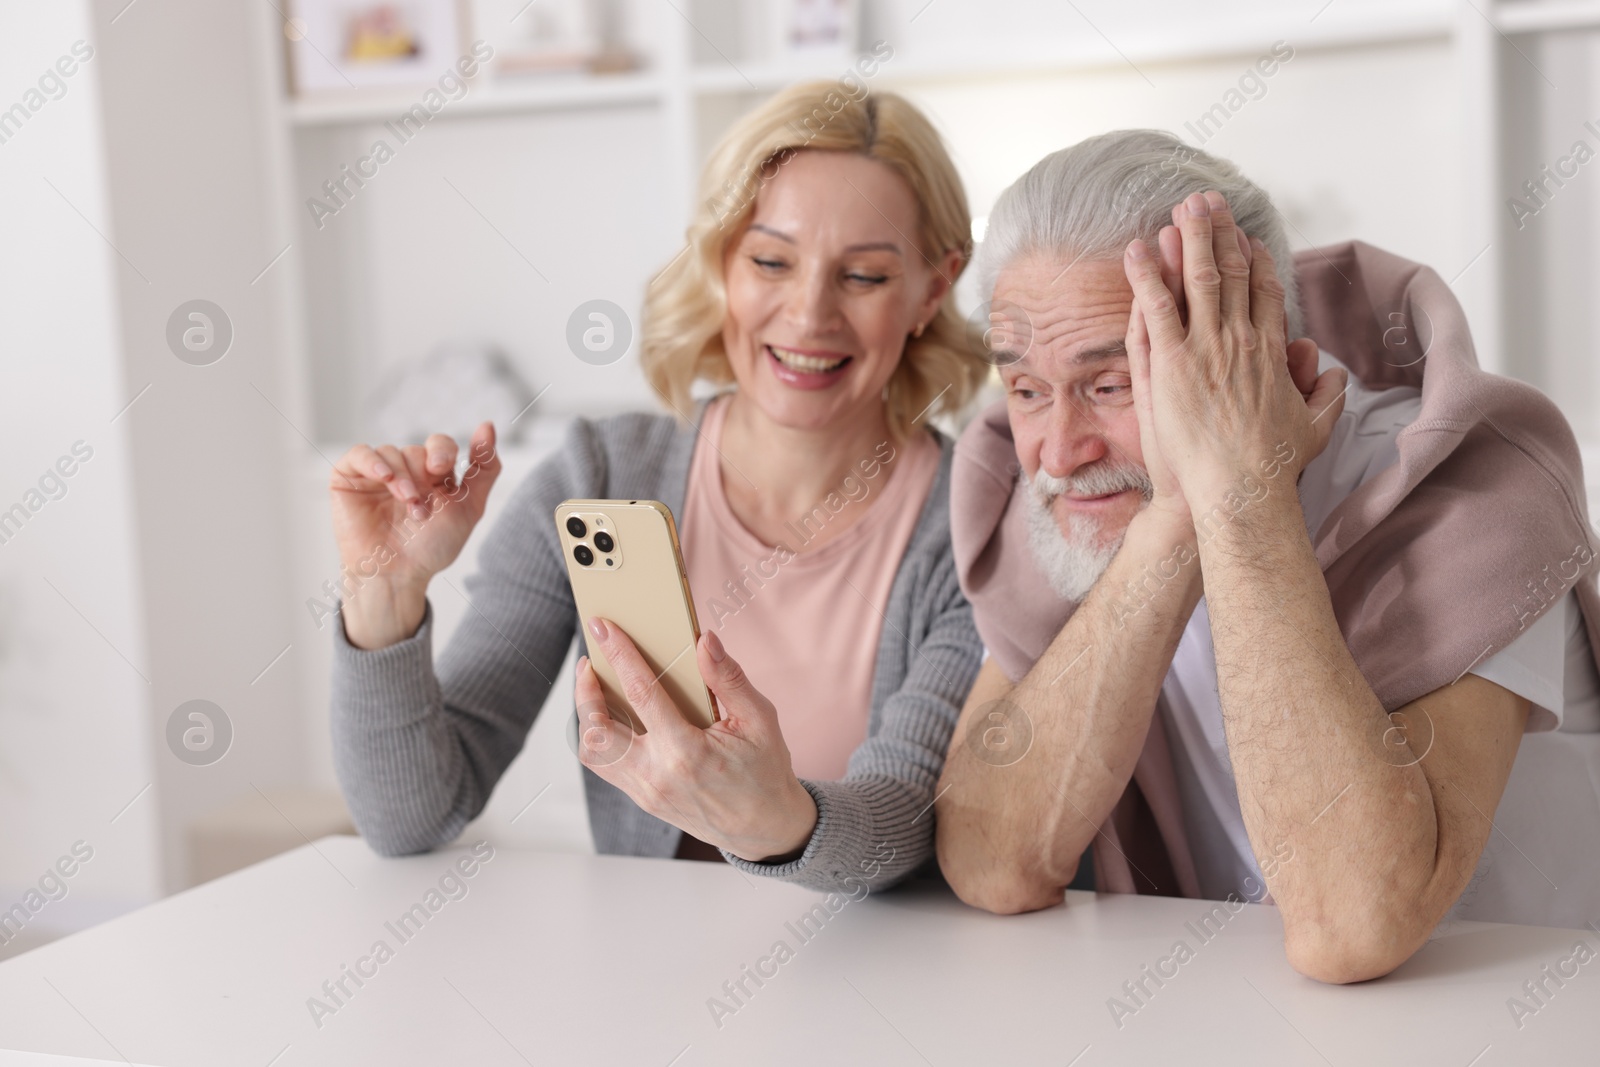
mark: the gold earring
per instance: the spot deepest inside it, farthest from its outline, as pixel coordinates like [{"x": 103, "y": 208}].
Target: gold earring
[{"x": 918, "y": 331}]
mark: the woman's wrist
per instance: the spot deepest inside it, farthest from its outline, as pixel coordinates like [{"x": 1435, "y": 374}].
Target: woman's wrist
[
  {"x": 384, "y": 612},
  {"x": 800, "y": 822}
]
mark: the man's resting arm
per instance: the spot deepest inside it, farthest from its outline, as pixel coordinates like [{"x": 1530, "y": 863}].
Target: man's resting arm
[
  {"x": 1387, "y": 815},
  {"x": 1009, "y": 834}
]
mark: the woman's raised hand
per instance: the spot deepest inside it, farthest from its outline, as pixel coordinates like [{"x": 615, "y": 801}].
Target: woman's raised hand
[{"x": 400, "y": 516}]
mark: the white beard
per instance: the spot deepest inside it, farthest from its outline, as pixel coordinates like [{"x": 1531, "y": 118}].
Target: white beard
[{"x": 1074, "y": 559}]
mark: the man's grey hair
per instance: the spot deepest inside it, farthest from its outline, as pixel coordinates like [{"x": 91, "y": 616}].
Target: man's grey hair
[{"x": 1088, "y": 201}]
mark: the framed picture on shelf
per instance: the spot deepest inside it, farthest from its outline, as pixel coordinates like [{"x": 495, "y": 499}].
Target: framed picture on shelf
[
  {"x": 338, "y": 45},
  {"x": 554, "y": 36},
  {"x": 804, "y": 29}
]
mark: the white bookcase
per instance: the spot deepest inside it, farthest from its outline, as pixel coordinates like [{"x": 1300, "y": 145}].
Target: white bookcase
[{"x": 578, "y": 187}]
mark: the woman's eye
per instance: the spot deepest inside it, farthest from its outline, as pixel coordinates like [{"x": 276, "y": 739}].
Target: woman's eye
[
  {"x": 767, "y": 264},
  {"x": 868, "y": 279}
]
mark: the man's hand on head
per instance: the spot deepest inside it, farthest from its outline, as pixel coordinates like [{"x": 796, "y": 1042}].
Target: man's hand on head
[
  {"x": 1301, "y": 353},
  {"x": 1228, "y": 398}
]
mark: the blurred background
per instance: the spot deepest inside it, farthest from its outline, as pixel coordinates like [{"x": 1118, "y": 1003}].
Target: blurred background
[{"x": 215, "y": 280}]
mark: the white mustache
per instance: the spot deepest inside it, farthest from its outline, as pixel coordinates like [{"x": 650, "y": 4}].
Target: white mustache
[{"x": 1098, "y": 480}]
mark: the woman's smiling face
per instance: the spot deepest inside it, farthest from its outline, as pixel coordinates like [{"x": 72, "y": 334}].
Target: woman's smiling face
[{"x": 823, "y": 287}]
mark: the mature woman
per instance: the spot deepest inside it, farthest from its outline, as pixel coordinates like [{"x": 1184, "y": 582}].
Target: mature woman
[{"x": 812, "y": 501}]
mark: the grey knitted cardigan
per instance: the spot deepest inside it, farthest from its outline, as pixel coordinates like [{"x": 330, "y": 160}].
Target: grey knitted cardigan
[{"x": 418, "y": 750}]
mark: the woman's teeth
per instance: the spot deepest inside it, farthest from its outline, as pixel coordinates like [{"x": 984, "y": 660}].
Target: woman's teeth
[{"x": 806, "y": 364}]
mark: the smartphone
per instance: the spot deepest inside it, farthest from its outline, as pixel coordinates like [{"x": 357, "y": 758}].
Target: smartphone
[{"x": 625, "y": 565}]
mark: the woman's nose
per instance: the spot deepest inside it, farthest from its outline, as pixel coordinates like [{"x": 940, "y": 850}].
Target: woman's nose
[{"x": 812, "y": 306}]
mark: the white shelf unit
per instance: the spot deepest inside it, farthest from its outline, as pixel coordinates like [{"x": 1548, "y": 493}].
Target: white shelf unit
[
  {"x": 1544, "y": 16},
  {"x": 700, "y": 73},
  {"x": 552, "y": 94}
]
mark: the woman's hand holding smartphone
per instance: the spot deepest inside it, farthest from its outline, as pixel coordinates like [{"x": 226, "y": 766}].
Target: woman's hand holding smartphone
[
  {"x": 731, "y": 784},
  {"x": 718, "y": 769}
]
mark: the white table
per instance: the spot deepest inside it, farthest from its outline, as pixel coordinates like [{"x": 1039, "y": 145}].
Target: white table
[{"x": 567, "y": 959}]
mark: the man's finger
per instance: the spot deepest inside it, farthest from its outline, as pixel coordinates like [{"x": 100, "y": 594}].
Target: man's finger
[
  {"x": 1202, "y": 283},
  {"x": 1155, "y": 300},
  {"x": 1138, "y": 345},
  {"x": 1233, "y": 266},
  {"x": 1266, "y": 293},
  {"x": 1170, "y": 242},
  {"x": 1302, "y": 359},
  {"x": 1326, "y": 403}
]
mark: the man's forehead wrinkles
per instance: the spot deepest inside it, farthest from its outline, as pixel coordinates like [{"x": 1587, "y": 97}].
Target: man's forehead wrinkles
[
  {"x": 1060, "y": 337},
  {"x": 1082, "y": 313}
]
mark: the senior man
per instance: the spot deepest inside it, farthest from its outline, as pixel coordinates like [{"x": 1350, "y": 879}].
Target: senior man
[{"x": 1258, "y": 627}]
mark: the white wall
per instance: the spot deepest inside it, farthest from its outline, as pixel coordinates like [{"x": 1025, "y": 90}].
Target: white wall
[
  {"x": 482, "y": 229},
  {"x": 193, "y": 167},
  {"x": 1323, "y": 140},
  {"x": 75, "y": 669},
  {"x": 1552, "y": 318}
]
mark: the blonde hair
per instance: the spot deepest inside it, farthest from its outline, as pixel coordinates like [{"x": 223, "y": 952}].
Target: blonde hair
[{"x": 686, "y": 303}]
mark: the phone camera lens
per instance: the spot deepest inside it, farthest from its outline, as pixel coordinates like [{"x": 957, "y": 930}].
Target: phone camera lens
[
  {"x": 582, "y": 554},
  {"x": 603, "y": 542},
  {"x": 575, "y": 526}
]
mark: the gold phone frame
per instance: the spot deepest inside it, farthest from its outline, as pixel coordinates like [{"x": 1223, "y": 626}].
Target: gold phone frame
[{"x": 642, "y": 587}]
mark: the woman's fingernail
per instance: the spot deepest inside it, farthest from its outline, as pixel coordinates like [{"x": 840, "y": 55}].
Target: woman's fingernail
[
  {"x": 714, "y": 646},
  {"x": 597, "y": 626},
  {"x": 1198, "y": 205},
  {"x": 583, "y": 661},
  {"x": 1137, "y": 250}
]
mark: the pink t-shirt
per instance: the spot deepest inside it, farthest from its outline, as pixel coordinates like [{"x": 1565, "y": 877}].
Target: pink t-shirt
[{"x": 805, "y": 624}]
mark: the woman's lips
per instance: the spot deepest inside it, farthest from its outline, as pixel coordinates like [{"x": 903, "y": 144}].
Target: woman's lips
[{"x": 806, "y": 370}]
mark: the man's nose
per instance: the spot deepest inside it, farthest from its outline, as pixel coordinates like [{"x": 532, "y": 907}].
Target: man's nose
[{"x": 1072, "y": 437}]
